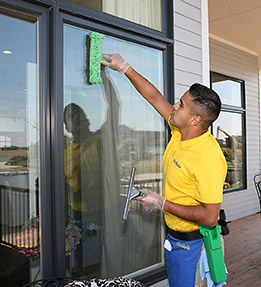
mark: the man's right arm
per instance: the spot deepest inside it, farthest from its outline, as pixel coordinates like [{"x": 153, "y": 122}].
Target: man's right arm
[{"x": 142, "y": 85}]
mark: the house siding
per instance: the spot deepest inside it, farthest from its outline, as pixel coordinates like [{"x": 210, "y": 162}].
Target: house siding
[
  {"x": 236, "y": 63},
  {"x": 188, "y": 45}
]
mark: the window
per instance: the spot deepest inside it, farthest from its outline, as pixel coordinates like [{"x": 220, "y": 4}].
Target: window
[
  {"x": 70, "y": 146},
  {"x": 19, "y": 145},
  {"x": 229, "y": 128},
  {"x": 145, "y": 12},
  {"x": 109, "y": 128}
]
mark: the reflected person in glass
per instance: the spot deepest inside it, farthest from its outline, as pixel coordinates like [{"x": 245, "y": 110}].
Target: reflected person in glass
[
  {"x": 82, "y": 177},
  {"x": 194, "y": 171},
  {"x": 91, "y": 172}
]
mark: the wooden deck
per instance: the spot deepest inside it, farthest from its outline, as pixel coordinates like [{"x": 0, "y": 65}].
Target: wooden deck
[{"x": 243, "y": 252}]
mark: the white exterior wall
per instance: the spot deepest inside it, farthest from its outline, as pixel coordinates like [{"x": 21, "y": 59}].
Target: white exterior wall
[
  {"x": 187, "y": 45},
  {"x": 237, "y": 63}
]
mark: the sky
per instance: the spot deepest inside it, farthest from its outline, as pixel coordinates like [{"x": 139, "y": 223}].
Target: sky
[
  {"x": 134, "y": 111},
  {"x": 16, "y": 77}
]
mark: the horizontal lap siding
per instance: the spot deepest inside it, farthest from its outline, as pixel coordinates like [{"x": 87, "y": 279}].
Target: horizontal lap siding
[
  {"x": 233, "y": 62},
  {"x": 188, "y": 43}
]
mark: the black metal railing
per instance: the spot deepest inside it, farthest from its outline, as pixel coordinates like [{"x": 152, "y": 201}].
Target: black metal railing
[{"x": 18, "y": 229}]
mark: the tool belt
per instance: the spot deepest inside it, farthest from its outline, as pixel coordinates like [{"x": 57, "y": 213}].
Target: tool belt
[{"x": 186, "y": 236}]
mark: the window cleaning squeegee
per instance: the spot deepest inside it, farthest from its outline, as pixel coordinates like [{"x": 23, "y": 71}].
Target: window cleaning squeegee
[{"x": 132, "y": 193}]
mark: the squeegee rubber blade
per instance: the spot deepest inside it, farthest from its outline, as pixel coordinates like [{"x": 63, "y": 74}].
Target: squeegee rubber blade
[{"x": 126, "y": 207}]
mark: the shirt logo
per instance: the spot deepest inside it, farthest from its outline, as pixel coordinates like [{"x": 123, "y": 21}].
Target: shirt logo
[{"x": 177, "y": 163}]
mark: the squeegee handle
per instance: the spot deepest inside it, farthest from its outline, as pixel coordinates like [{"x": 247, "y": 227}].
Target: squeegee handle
[
  {"x": 141, "y": 194},
  {"x": 103, "y": 59}
]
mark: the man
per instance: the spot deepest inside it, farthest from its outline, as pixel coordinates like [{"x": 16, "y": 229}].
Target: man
[
  {"x": 81, "y": 163},
  {"x": 194, "y": 170}
]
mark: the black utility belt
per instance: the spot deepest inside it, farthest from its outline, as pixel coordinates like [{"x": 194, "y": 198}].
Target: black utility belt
[{"x": 186, "y": 236}]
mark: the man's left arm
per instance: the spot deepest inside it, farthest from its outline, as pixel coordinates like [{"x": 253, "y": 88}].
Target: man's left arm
[
  {"x": 210, "y": 176},
  {"x": 205, "y": 213}
]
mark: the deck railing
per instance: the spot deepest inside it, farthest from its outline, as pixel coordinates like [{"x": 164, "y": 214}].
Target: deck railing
[{"x": 17, "y": 228}]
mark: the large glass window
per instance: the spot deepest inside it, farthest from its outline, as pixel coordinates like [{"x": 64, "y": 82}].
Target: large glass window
[
  {"x": 145, "y": 12},
  {"x": 19, "y": 145},
  {"x": 108, "y": 129},
  {"x": 228, "y": 129}
]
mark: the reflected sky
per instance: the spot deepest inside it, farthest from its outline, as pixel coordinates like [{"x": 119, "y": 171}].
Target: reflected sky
[
  {"x": 19, "y": 37},
  {"x": 230, "y": 123},
  {"x": 135, "y": 112},
  {"x": 229, "y": 92}
]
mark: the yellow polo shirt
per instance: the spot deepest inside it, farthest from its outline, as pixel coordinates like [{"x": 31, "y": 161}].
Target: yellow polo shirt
[
  {"x": 194, "y": 172},
  {"x": 82, "y": 170}
]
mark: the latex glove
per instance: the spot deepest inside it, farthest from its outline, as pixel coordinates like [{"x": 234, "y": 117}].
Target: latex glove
[
  {"x": 152, "y": 200},
  {"x": 116, "y": 62}
]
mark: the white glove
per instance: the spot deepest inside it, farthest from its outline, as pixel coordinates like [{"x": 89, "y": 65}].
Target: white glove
[
  {"x": 116, "y": 62},
  {"x": 152, "y": 200}
]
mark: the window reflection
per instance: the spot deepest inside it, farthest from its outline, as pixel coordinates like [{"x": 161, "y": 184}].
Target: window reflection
[
  {"x": 229, "y": 90},
  {"x": 228, "y": 132},
  {"x": 145, "y": 12},
  {"x": 19, "y": 144},
  {"x": 228, "y": 128},
  {"x": 109, "y": 129}
]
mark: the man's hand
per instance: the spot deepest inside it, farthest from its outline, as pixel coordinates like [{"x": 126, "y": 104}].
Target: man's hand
[
  {"x": 116, "y": 62},
  {"x": 142, "y": 85},
  {"x": 206, "y": 214},
  {"x": 152, "y": 200}
]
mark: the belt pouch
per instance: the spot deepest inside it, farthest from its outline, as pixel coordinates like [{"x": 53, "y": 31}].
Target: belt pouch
[{"x": 211, "y": 236}]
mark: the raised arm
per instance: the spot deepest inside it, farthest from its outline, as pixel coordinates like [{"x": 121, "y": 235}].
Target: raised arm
[{"x": 142, "y": 85}]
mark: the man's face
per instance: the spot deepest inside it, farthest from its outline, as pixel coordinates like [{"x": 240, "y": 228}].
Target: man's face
[{"x": 182, "y": 112}]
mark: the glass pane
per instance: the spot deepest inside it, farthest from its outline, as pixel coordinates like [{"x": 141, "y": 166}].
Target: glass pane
[
  {"x": 228, "y": 90},
  {"x": 228, "y": 132},
  {"x": 108, "y": 129},
  {"x": 146, "y": 12},
  {"x": 19, "y": 173}
]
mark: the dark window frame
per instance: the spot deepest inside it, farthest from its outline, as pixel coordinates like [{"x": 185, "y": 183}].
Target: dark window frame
[
  {"x": 159, "y": 273},
  {"x": 52, "y": 14},
  {"x": 83, "y": 11},
  {"x": 46, "y": 193},
  {"x": 238, "y": 110}
]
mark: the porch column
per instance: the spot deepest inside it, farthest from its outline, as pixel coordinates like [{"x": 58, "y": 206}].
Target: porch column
[
  {"x": 259, "y": 76},
  {"x": 205, "y": 43}
]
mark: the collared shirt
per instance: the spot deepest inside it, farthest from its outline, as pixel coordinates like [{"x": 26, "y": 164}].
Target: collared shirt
[
  {"x": 82, "y": 170},
  {"x": 194, "y": 172}
]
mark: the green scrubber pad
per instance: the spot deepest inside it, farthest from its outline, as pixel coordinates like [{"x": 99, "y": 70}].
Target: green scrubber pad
[{"x": 95, "y": 57}]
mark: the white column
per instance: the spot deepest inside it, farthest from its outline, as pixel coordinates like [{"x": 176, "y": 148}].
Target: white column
[
  {"x": 205, "y": 43},
  {"x": 259, "y": 94}
]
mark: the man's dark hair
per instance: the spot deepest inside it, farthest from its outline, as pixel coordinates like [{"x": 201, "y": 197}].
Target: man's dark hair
[{"x": 207, "y": 103}]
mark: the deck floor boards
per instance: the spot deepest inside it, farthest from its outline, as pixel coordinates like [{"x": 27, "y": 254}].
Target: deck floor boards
[{"x": 243, "y": 252}]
